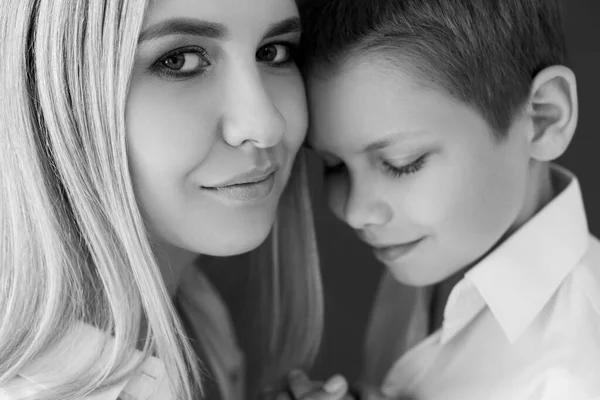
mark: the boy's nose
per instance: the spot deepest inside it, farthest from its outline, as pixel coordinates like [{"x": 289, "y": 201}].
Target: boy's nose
[
  {"x": 249, "y": 114},
  {"x": 363, "y": 209},
  {"x": 375, "y": 214}
]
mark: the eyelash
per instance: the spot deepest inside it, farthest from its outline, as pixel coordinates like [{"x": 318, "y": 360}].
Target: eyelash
[
  {"x": 413, "y": 167},
  {"x": 160, "y": 69},
  {"x": 394, "y": 172},
  {"x": 290, "y": 46}
]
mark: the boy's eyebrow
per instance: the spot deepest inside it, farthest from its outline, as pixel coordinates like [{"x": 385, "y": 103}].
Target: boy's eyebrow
[
  {"x": 212, "y": 30},
  {"x": 390, "y": 139}
]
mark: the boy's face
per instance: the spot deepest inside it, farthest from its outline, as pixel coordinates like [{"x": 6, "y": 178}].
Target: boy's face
[{"x": 418, "y": 175}]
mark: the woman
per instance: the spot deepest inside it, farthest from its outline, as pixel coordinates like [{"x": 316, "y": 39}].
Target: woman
[{"x": 136, "y": 136}]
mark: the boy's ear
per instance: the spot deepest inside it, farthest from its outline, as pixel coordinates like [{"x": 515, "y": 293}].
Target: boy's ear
[{"x": 553, "y": 111}]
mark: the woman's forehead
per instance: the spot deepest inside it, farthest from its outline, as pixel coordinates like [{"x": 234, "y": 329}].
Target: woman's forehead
[{"x": 240, "y": 17}]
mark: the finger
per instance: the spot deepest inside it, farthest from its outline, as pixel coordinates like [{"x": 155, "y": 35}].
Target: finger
[
  {"x": 336, "y": 384},
  {"x": 299, "y": 384},
  {"x": 336, "y": 388}
]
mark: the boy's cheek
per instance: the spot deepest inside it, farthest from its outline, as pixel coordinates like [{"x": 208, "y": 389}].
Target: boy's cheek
[
  {"x": 477, "y": 213},
  {"x": 433, "y": 197},
  {"x": 451, "y": 204}
]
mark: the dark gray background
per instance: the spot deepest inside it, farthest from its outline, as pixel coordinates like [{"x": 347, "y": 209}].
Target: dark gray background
[{"x": 351, "y": 273}]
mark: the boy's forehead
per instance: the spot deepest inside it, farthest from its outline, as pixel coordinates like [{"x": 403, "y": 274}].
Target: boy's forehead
[
  {"x": 360, "y": 109},
  {"x": 367, "y": 108},
  {"x": 359, "y": 87}
]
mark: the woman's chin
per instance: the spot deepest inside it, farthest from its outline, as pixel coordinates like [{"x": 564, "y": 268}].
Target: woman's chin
[{"x": 230, "y": 242}]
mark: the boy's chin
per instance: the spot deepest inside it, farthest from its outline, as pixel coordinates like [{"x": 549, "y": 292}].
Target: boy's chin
[{"x": 413, "y": 273}]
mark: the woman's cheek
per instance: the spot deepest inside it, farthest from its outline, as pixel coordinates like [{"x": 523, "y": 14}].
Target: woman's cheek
[
  {"x": 288, "y": 96},
  {"x": 169, "y": 128}
]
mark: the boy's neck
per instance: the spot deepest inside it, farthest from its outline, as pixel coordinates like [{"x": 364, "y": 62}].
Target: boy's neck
[{"x": 540, "y": 191}]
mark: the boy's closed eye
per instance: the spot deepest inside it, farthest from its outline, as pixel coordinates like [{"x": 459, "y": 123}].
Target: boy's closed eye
[
  {"x": 406, "y": 169},
  {"x": 390, "y": 169}
]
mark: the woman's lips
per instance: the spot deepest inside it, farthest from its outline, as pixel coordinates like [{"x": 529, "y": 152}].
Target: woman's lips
[
  {"x": 254, "y": 184},
  {"x": 391, "y": 253},
  {"x": 247, "y": 191}
]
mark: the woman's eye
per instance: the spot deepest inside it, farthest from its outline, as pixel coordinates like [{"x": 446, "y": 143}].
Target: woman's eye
[
  {"x": 182, "y": 63},
  {"x": 276, "y": 53}
]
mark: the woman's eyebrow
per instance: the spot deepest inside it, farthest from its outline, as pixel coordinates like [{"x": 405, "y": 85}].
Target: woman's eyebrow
[
  {"x": 288, "y": 25},
  {"x": 212, "y": 30},
  {"x": 186, "y": 26}
]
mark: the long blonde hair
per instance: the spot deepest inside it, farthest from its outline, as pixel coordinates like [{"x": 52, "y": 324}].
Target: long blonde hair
[
  {"x": 290, "y": 301},
  {"x": 73, "y": 245}
]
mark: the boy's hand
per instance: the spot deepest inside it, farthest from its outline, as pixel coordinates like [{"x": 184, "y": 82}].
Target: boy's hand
[{"x": 302, "y": 388}]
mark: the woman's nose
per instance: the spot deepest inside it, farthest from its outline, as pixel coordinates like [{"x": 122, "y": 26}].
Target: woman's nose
[{"x": 249, "y": 114}]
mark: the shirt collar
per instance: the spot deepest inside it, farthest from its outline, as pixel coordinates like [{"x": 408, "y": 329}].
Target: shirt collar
[
  {"x": 519, "y": 277},
  {"x": 74, "y": 351}
]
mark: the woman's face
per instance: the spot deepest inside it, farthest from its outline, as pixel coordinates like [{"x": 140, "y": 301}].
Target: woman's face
[{"x": 215, "y": 116}]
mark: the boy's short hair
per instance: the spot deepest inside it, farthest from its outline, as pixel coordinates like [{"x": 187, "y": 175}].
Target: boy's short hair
[{"x": 483, "y": 52}]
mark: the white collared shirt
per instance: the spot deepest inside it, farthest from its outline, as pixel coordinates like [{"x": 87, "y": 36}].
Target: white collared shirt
[
  {"x": 74, "y": 351},
  {"x": 204, "y": 309},
  {"x": 524, "y": 323}
]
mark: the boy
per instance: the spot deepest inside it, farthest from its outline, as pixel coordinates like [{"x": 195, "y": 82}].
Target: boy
[{"x": 438, "y": 121}]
